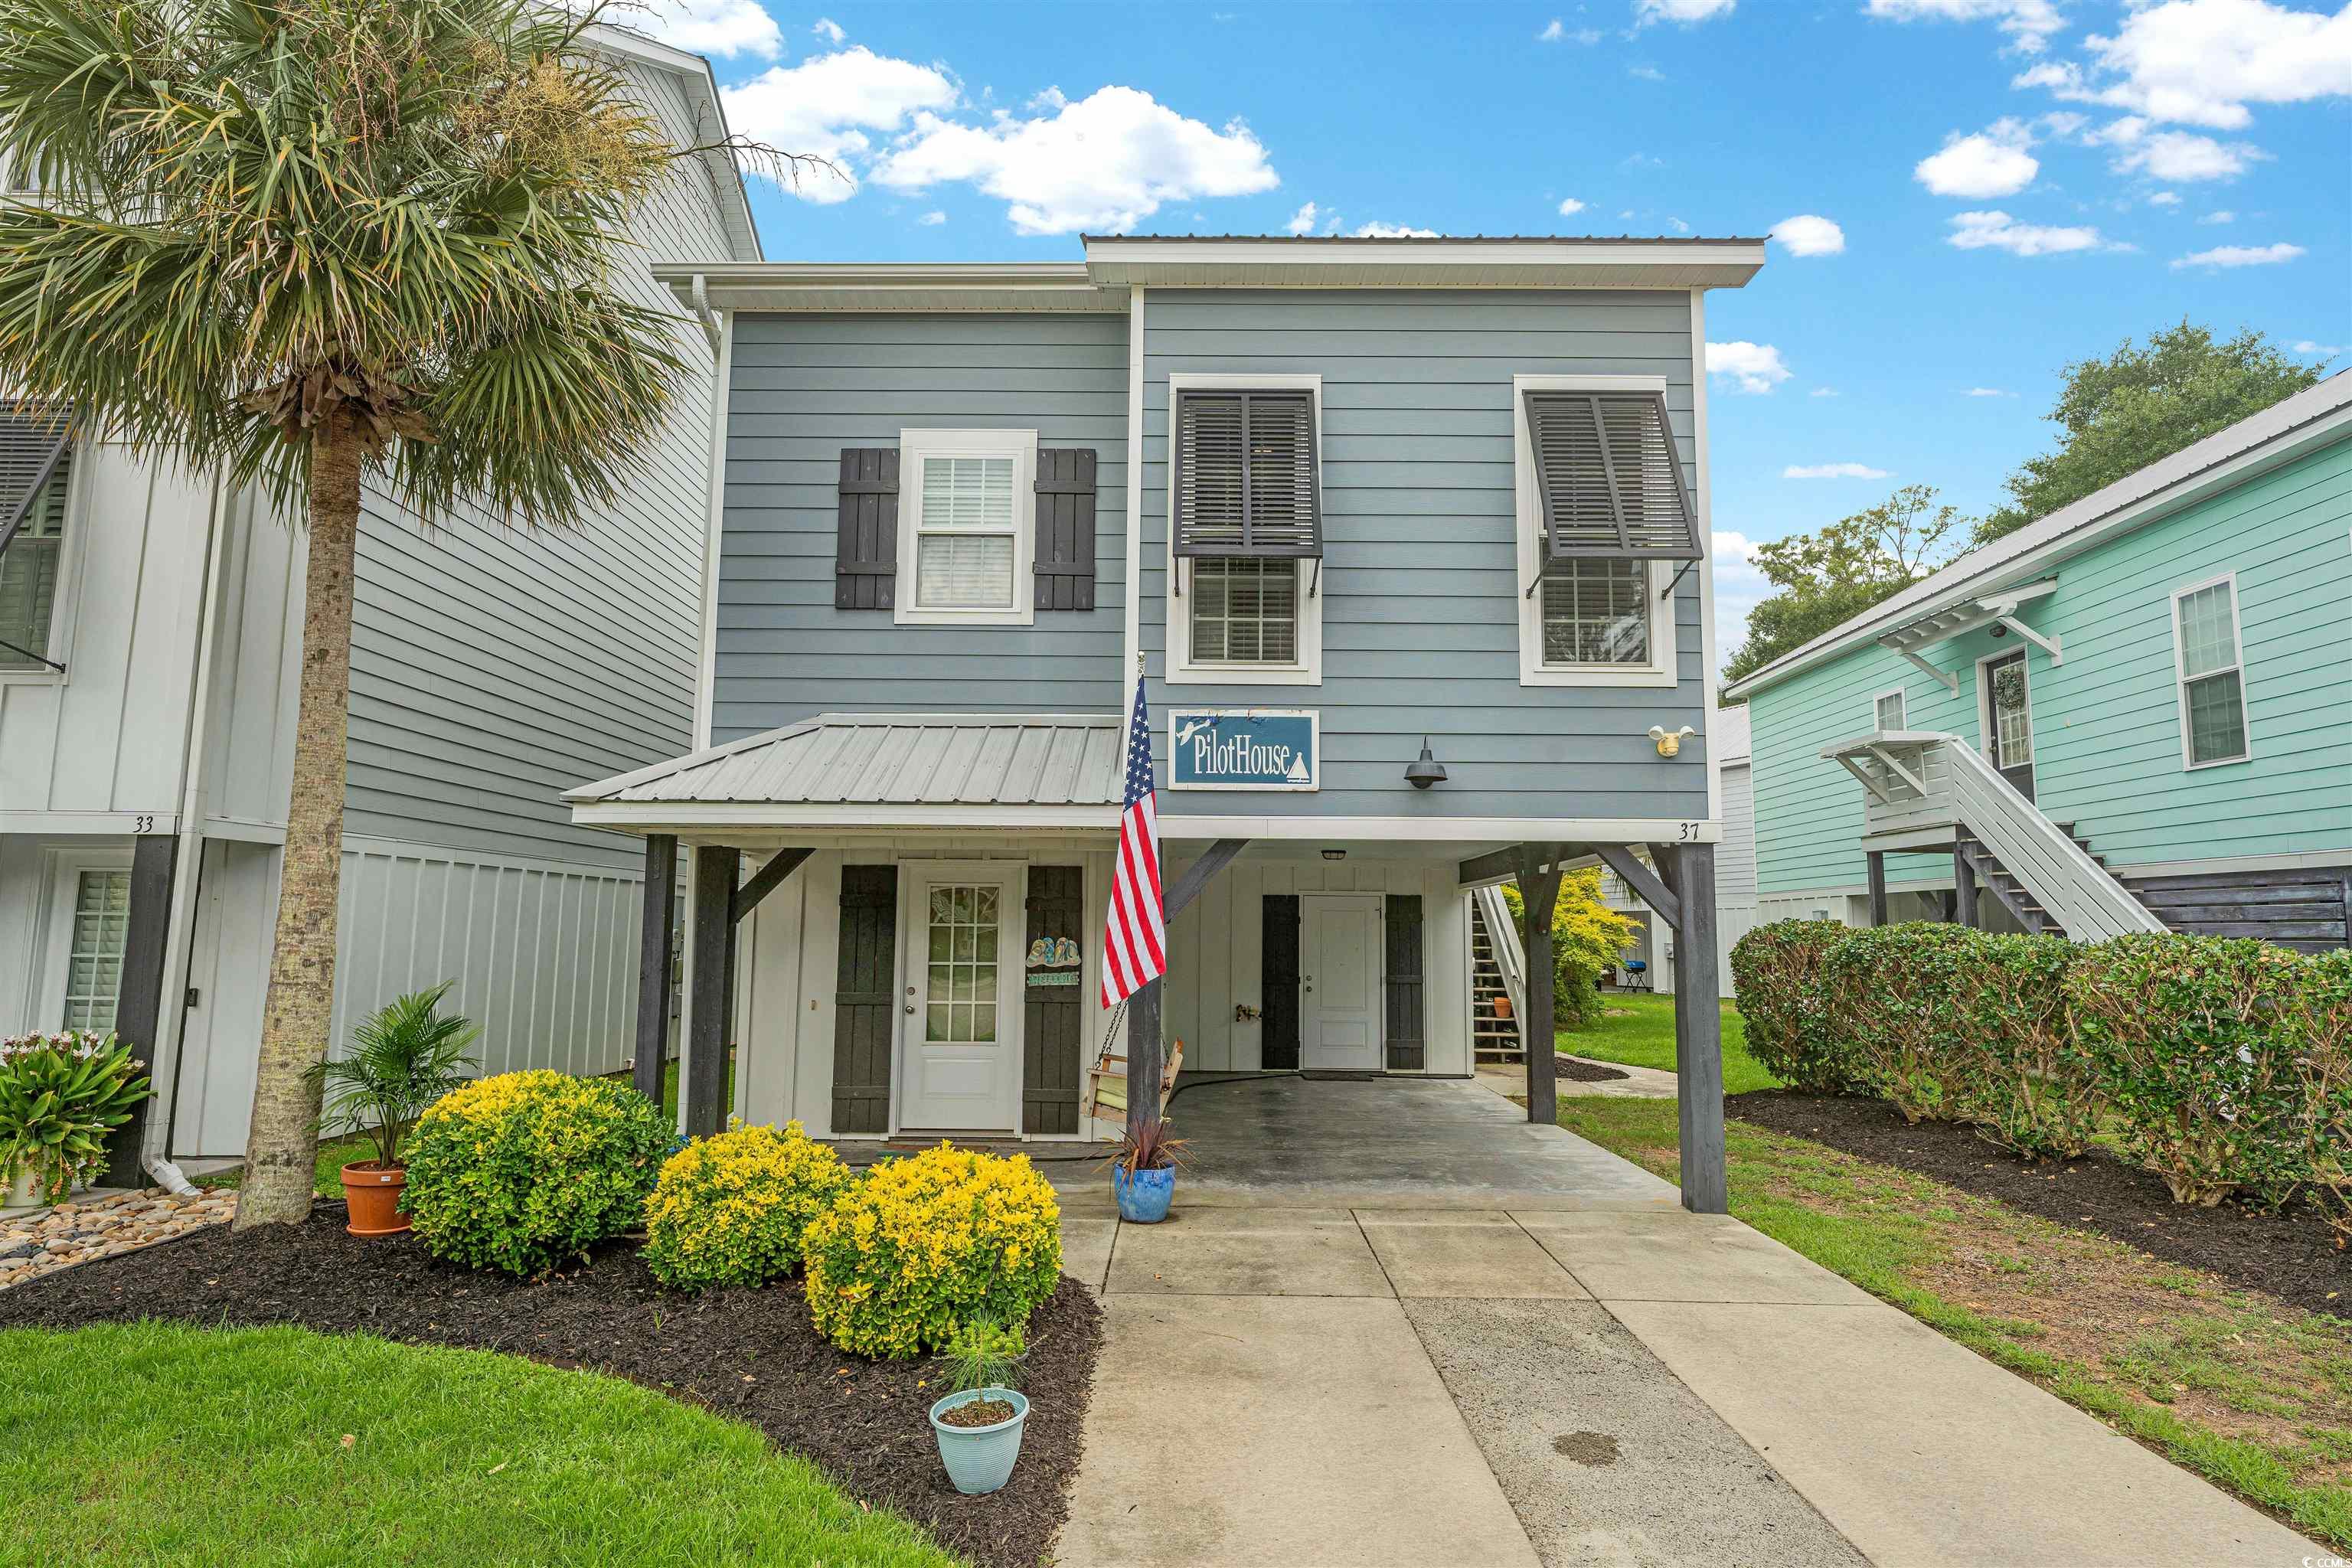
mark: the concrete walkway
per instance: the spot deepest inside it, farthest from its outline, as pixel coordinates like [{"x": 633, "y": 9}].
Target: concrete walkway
[{"x": 1582, "y": 1375}]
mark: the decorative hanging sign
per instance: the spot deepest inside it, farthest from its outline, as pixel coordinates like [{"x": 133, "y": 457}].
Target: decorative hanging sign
[
  {"x": 1054, "y": 961},
  {"x": 1243, "y": 748}
]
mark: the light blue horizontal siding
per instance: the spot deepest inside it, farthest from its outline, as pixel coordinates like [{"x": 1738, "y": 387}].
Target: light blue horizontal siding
[
  {"x": 802, "y": 388},
  {"x": 1421, "y": 596},
  {"x": 2105, "y": 718}
]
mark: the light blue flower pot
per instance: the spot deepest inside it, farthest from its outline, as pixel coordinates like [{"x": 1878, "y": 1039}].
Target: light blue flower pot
[
  {"x": 980, "y": 1458},
  {"x": 1143, "y": 1195}
]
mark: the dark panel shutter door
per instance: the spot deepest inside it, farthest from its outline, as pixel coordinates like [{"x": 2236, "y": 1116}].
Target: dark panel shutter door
[
  {"x": 1279, "y": 947},
  {"x": 864, "y": 995},
  {"x": 1066, "y": 529},
  {"x": 1052, "y": 1016},
  {"x": 1408, "y": 1030},
  {"x": 866, "y": 555}
]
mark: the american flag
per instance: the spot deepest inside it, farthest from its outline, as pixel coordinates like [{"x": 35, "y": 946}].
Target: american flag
[{"x": 1134, "y": 942}]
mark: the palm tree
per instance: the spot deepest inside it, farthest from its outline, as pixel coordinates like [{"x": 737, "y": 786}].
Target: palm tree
[{"x": 317, "y": 244}]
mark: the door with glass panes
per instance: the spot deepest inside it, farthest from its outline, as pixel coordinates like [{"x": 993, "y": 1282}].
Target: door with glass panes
[
  {"x": 2008, "y": 720},
  {"x": 960, "y": 1044}
]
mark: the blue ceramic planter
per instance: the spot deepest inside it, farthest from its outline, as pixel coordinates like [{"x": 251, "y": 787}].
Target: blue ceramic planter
[
  {"x": 1143, "y": 1195},
  {"x": 980, "y": 1458}
]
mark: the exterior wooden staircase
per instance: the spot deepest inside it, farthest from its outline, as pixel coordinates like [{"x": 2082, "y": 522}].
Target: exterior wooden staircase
[
  {"x": 2008, "y": 889},
  {"x": 1495, "y": 971}
]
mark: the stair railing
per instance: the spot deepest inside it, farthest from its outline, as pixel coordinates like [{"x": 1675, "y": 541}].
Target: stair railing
[{"x": 1503, "y": 939}]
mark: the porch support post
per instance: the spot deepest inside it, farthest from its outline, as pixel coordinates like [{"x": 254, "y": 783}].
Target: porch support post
[
  {"x": 1877, "y": 861},
  {"x": 1144, "y": 1060},
  {"x": 1539, "y": 892},
  {"x": 1964, "y": 886},
  {"x": 703, "y": 1076},
  {"x": 654, "y": 963},
  {"x": 1699, "y": 1028},
  {"x": 139, "y": 998}
]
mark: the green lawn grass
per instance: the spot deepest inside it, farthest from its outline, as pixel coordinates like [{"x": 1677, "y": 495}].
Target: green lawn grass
[
  {"x": 2252, "y": 1395},
  {"x": 1637, "y": 1030},
  {"x": 155, "y": 1444}
]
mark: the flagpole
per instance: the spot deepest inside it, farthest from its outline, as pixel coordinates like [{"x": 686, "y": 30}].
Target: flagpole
[{"x": 1143, "y": 1029}]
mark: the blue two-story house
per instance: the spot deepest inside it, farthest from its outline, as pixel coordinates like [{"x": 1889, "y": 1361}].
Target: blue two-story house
[{"x": 1408, "y": 539}]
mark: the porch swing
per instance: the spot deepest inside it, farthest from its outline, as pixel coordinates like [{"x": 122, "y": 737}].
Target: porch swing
[{"x": 1106, "y": 1079}]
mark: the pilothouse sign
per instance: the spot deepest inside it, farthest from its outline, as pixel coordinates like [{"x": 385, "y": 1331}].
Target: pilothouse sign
[{"x": 1242, "y": 748}]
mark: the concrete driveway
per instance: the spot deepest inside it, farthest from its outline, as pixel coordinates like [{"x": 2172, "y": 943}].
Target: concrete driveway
[{"x": 1528, "y": 1354}]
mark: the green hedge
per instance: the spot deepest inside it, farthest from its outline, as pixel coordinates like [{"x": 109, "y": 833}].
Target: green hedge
[{"x": 2222, "y": 1066}]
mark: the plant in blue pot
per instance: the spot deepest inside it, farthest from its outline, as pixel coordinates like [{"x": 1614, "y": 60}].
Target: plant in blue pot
[
  {"x": 1143, "y": 1173},
  {"x": 979, "y": 1425}
]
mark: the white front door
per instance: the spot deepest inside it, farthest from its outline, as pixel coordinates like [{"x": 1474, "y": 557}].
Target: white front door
[
  {"x": 1339, "y": 981},
  {"x": 960, "y": 1053}
]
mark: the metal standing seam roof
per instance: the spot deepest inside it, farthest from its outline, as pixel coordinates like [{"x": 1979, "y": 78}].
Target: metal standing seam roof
[{"x": 872, "y": 759}]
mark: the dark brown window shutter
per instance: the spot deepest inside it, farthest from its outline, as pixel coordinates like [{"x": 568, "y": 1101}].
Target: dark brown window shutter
[
  {"x": 1408, "y": 1029},
  {"x": 1065, "y": 528},
  {"x": 865, "y": 560}
]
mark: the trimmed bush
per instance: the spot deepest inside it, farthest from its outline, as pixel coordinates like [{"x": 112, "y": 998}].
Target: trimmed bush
[
  {"x": 523, "y": 1171},
  {"x": 2189, "y": 1038},
  {"x": 731, "y": 1209},
  {"x": 1893, "y": 995},
  {"x": 2320, "y": 1036},
  {"x": 2015, "y": 1068},
  {"x": 925, "y": 1244},
  {"x": 1777, "y": 970}
]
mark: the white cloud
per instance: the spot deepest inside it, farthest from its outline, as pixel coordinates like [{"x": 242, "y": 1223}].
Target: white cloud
[
  {"x": 1569, "y": 206},
  {"x": 2222, "y": 216},
  {"x": 1998, "y": 230},
  {"x": 1833, "y": 471},
  {"x": 1302, "y": 220},
  {"x": 2241, "y": 255},
  {"x": 1824, "y": 392},
  {"x": 1753, "y": 367},
  {"x": 2317, "y": 351},
  {"x": 1554, "y": 33},
  {"x": 829, "y": 107},
  {"x": 1987, "y": 392},
  {"x": 2164, "y": 199},
  {"x": 2202, "y": 62},
  {"x": 1990, "y": 163},
  {"x": 1645, "y": 73},
  {"x": 829, "y": 30},
  {"x": 1391, "y": 231},
  {"x": 933, "y": 219},
  {"x": 2178, "y": 155},
  {"x": 1684, "y": 11},
  {"x": 721, "y": 28},
  {"x": 1739, "y": 586},
  {"x": 2028, "y": 23},
  {"x": 1808, "y": 234},
  {"x": 1103, "y": 163}
]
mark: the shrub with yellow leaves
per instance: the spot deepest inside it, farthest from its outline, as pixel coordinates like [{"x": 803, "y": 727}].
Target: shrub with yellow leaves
[
  {"x": 925, "y": 1244},
  {"x": 730, "y": 1209}
]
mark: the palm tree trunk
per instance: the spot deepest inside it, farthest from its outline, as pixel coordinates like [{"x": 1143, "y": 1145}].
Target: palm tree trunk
[{"x": 282, "y": 1148}]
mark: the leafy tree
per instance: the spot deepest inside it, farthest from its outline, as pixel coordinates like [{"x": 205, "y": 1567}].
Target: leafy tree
[
  {"x": 310, "y": 246},
  {"x": 1588, "y": 937},
  {"x": 1828, "y": 578},
  {"x": 2124, "y": 412}
]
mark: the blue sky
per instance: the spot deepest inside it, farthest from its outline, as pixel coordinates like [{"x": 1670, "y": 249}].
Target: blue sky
[{"x": 2006, "y": 184}]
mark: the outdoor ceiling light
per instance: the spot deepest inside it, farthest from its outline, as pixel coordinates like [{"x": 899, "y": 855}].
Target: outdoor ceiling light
[
  {"x": 1424, "y": 770},
  {"x": 1335, "y": 854}
]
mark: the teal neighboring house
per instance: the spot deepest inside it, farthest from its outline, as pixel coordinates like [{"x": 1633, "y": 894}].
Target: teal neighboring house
[{"x": 2134, "y": 714}]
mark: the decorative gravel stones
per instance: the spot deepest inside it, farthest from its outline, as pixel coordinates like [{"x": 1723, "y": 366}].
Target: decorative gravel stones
[{"x": 42, "y": 1241}]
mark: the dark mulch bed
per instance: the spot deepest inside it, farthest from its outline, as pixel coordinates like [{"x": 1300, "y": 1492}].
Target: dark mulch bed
[
  {"x": 1577, "y": 1072},
  {"x": 750, "y": 1354},
  {"x": 2292, "y": 1255}
]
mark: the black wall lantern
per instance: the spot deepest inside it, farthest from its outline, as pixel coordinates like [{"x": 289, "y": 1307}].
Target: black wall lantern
[{"x": 1424, "y": 770}]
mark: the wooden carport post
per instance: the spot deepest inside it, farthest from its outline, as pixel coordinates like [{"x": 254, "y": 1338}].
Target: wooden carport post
[
  {"x": 654, "y": 963},
  {"x": 718, "y": 905},
  {"x": 1682, "y": 891},
  {"x": 1539, "y": 898},
  {"x": 1143, "y": 1008}
]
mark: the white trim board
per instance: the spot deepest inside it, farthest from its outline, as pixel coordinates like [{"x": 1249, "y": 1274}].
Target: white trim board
[{"x": 706, "y": 677}]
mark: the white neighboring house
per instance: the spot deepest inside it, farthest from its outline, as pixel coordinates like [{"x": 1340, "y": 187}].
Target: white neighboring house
[
  {"x": 147, "y": 724},
  {"x": 1735, "y": 869}
]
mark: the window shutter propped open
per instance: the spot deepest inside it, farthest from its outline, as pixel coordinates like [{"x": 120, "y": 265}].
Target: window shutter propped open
[
  {"x": 1245, "y": 475},
  {"x": 865, "y": 559},
  {"x": 1609, "y": 477},
  {"x": 1065, "y": 566}
]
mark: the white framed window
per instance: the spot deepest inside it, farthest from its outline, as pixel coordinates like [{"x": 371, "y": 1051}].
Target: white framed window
[
  {"x": 1886, "y": 710},
  {"x": 88, "y": 929},
  {"x": 1596, "y": 620},
  {"x": 2209, "y": 663},
  {"x": 1250, "y": 619},
  {"x": 967, "y": 527}
]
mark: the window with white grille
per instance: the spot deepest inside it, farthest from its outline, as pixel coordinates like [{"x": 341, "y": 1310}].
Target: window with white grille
[
  {"x": 1886, "y": 710},
  {"x": 1244, "y": 610},
  {"x": 102, "y": 926},
  {"x": 1596, "y": 613},
  {"x": 1245, "y": 575},
  {"x": 967, "y": 515},
  {"x": 2212, "y": 673}
]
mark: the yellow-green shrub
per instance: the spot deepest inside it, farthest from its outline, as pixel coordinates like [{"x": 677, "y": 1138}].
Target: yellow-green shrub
[
  {"x": 524, "y": 1169},
  {"x": 923, "y": 1243},
  {"x": 730, "y": 1209}
]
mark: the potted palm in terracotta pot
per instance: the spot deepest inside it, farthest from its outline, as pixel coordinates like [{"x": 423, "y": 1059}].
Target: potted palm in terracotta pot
[{"x": 402, "y": 1059}]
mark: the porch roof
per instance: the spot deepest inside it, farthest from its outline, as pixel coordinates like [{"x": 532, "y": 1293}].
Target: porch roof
[{"x": 881, "y": 769}]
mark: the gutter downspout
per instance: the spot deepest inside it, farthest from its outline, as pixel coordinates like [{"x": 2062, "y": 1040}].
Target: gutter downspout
[
  {"x": 700, "y": 290},
  {"x": 1133, "y": 626}
]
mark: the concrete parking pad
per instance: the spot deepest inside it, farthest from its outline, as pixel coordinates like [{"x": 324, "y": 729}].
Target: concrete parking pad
[
  {"x": 1681, "y": 1257},
  {"x": 1464, "y": 1254},
  {"x": 1924, "y": 1453},
  {"x": 1247, "y": 1252},
  {"x": 1605, "y": 1457},
  {"x": 1284, "y": 1433}
]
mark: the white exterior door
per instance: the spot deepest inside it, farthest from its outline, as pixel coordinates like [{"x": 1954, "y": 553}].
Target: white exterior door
[
  {"x": 1339, "y": 981},
  {"x": 959, "y": 1053}
]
